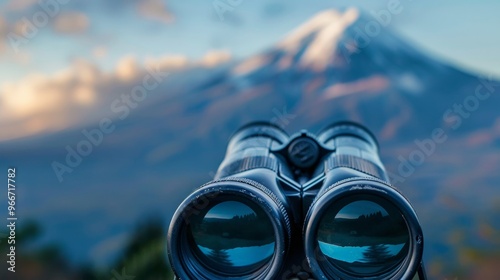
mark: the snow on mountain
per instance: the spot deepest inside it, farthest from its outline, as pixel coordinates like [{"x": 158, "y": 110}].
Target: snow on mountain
[
  {"x": 322, "y": 34},
  {"x": 319, "y": 73},
  {"x": 338, "y": 47}
]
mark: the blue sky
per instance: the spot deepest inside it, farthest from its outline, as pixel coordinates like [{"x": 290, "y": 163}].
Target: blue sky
[
  {"x": 114, "y": 36},
  {"x": 462, "y": 32},
  {"x": 108, "y": 34}
]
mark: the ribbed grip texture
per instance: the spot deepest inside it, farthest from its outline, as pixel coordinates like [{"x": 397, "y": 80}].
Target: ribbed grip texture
[
  {"x": 355, "y": 163},
  {"x": 248, "y": 163}
]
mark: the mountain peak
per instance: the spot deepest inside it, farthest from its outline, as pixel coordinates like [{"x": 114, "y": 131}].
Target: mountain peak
[
  {"x": 321, "y": 34},
  {"x": 336, "y": 39}
]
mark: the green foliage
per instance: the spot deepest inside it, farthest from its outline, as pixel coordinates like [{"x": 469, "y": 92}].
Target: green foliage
[{"x": 144, "y": 257}]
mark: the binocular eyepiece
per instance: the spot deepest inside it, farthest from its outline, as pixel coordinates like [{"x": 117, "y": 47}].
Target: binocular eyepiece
[{"x": 303, "y": 206}]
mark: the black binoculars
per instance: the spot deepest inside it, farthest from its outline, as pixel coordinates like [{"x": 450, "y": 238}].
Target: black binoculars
[{"x": 299, "y": 207}]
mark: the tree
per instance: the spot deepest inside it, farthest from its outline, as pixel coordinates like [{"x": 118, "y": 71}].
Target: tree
[
  {"x": 376, "y": 253},
  {"x": 221, "y": 257},
  {"x": 144, "y": 255}
]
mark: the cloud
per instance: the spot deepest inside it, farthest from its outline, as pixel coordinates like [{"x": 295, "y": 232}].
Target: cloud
[
  {"x": 156, "y": 10},
  {"x": 4, "y": 30},
  {"x": 45, "y": 103},
  {"x": 23, "y": 19},
  {"x": 251, "y": 64},
  {"x": 19, "y": 5},
  {"x": 40, "y": 103},
  {"x": 71, "y": 17},
  {"x": 170, "y": 62},
  {"x": 100, "y": 52},
  {"x": 20, "y": 28},
  {"x": 9, "y": 31},
  {"x": 127, "y": 68},
  {"x": 80, "y": 93},
  {"x": 71, "y": 23},
  {"x": 215, "y": 57}
]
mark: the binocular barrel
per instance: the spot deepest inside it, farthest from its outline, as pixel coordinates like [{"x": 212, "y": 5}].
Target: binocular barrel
[{"x": 277, "y": 200}]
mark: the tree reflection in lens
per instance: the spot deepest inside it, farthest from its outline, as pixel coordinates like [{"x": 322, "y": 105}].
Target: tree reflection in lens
[
  {"x": 234, "y": 235},
  {"x": 363, "y": 237}
]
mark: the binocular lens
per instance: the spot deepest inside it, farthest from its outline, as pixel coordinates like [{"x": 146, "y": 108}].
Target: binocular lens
[
  {"x": 363, "y": 236},
  {"x": 233, "y": 236},
  {"x": 246, "y": 223}
]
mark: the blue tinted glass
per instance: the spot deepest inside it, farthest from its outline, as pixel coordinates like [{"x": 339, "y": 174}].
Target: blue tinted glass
[
  {"x": 232, "y": 236},
  {"x": 363, "y": 237}
]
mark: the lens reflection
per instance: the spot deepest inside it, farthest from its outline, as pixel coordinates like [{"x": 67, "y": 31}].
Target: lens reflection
[
  {"x": 363, "y": 237},
  {"x": 234, "y": 236}
]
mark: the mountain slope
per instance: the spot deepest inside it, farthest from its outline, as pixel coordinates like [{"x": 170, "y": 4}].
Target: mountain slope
[{"x": 319, "y": 73}]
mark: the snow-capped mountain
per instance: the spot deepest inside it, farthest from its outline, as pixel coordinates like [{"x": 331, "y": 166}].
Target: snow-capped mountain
[
  {"x": 328, "y": 69},
  {"x": 334, "y": 66}
]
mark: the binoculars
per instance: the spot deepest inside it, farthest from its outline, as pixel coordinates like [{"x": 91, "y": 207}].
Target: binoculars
[{"x": 299, "y": 207}]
